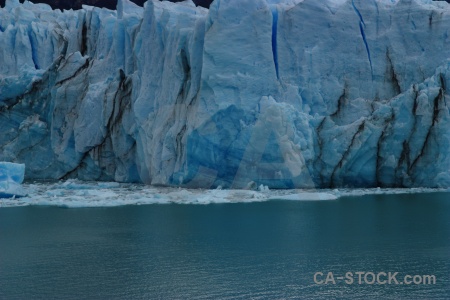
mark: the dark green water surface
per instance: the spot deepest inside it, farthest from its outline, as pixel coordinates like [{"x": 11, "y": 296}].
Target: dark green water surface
[{"x": 268, "y": 250}]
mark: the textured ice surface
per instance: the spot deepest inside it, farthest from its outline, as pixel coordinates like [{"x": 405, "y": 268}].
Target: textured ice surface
[
  {"x": 11, "y": 177},
  {"x": 74, "y": 193},
  {"x": 283, "y": 93}
]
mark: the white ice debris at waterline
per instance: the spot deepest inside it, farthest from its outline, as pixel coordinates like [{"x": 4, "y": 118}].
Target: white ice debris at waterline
[
  {"x": 11, "y": 177},
  {"x": 279, "y": 93},
  {"x": 77, "y": 194}
]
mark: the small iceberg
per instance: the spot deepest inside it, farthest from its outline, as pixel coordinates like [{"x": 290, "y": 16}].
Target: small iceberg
[
  {"x": 306, "y": 196},
  {"x": 11, "y": 178}
]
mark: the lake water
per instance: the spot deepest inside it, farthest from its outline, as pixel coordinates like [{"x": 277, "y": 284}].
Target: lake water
[{"x": 261, "y": 250}]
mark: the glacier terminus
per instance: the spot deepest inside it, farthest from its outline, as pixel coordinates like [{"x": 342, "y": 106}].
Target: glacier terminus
[{"x": 285, "y": 94}]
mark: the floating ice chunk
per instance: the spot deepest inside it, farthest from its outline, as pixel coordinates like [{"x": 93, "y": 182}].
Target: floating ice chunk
[
  {"x": 12, "y": 172},
  {"x": 11, "y": 177},
  {"x": 306, "y": 196},
  {"x": 263, "y": 188}
]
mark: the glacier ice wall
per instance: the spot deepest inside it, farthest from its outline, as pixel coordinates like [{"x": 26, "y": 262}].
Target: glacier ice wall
[{"x": 293, "y": 93}]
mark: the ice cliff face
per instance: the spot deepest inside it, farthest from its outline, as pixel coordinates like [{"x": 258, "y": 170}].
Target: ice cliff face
[{"x": 282, "y": 93}]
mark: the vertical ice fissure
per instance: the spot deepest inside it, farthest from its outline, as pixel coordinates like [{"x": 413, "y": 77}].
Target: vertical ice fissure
[
  {"x": 33, "y": 49},
  {"x": 362, "y": 25},
  {"x": 346, "y": 153},
  {"x": 393, "y": 74},
  {"x": 83, "y": 47},
  {"x": 274, "y": 37},
  {"x": 434, "y": 119}
]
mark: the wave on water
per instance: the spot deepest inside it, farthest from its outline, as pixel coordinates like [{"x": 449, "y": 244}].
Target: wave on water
[{"x": 74, "y": 193}]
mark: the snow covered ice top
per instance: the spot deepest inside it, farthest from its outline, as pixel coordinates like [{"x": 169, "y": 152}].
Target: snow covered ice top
[{"x": 288, "y": 94}]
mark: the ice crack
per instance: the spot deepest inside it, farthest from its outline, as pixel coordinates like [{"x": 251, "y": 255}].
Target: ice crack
[
  {"x": 362, "y": 26},
  {"x": 274, "y": 38}
]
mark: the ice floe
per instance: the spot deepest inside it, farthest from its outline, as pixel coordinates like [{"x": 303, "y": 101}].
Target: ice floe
[{"x": 74, "y": 193}]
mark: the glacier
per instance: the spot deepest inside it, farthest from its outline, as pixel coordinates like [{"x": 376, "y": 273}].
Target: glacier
[{"x": 279, "y": 93}]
